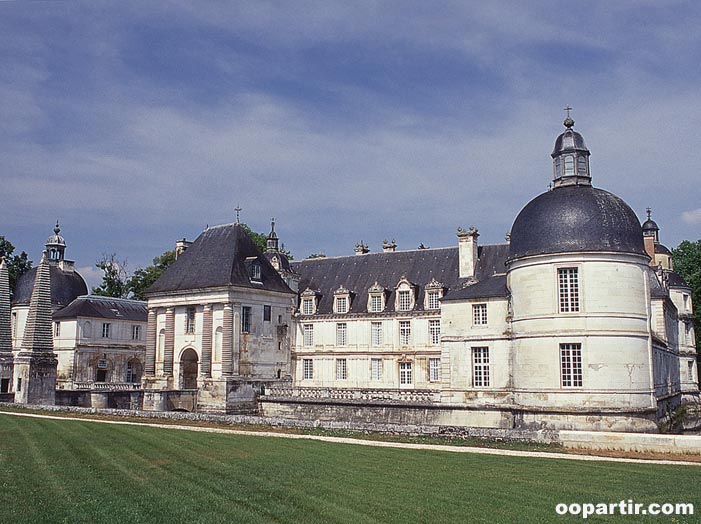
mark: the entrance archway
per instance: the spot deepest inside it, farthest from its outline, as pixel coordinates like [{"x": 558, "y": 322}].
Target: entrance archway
[{"x": 188, "y": 369}]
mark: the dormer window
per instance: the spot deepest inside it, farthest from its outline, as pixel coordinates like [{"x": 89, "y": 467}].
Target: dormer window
[
  {"x": 405, "y": 299},
  {"x": 341, "y": 300},
  {"x": 434, "y": 293},
  {"x": 255, "y": 271},
  {"x": 376, "y": 298},
  {"x": 308, "y": 302}
]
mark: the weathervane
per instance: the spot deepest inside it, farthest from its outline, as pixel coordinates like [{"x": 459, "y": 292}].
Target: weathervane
[
  {"x": 568, "y": 109},
  {"x": 238, "y": 210},
  {"x": 649, "y": 212}
]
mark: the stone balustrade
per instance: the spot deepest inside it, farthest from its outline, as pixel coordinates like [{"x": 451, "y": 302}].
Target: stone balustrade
[
  {"x": 427, "y": 396},
  {"x": 106, "y": 386}
]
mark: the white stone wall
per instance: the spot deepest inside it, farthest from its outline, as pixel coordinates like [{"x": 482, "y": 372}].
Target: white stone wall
[
  {"x": 359, "y": 351},
  {"x": 263, "y": 352},
  {"x": 611, "y": 326}
]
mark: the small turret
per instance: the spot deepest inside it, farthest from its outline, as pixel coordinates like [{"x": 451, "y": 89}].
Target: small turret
[
  {"x": 56, "y": 246},
  {"x": 570, "y": 157}
]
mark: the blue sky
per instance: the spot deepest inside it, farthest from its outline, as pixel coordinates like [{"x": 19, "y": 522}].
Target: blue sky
[{"x": 137, "y": 123}]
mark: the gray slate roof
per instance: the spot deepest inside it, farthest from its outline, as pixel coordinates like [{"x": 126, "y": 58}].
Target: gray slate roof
[
  {"x": 657, "y": 289},
  {"x": 576, "y": 218},
  {"x": 218, "y": 257},
  {"x": 358, "y": 273},
  {"x": 65, "y": 286},
  {"x": 674, "y": 279},
  {"x": 104, "y": 307}
]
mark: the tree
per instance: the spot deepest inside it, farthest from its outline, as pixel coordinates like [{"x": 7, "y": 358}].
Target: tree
[
  {"x": 687, "y": 262},
  {"x": 143, "y": 278},
  {"x": 261, "y": 241},
  {"x": 17, "y": 265},
  {"x": 114, "y": 277}
]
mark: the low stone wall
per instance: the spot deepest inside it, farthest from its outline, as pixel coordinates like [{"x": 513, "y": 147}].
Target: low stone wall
[
  {"x": 99, "y": 399},
  {"x": 590, "y": 440},
  {"x": 7, "y": 397}
]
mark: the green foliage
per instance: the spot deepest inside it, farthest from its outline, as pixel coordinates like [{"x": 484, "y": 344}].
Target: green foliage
[
  {"x": 69, "y": 471},
  {"x": 17, "y": 265},
  {"x": 143, "y": 278},
  {"x": 687, "y": 262},
  {"x": 261, "y": 241},
  {"x": 114, "y": 277}
]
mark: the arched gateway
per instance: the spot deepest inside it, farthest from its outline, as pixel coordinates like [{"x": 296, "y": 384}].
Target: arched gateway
[{"x": 188, "y": 369}]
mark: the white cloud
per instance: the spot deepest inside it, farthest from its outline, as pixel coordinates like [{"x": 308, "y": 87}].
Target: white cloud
[{"x": 692, "y": 217}]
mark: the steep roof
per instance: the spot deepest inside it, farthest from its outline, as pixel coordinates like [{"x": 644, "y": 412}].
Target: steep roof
[
  {"x": 358, "y": 273},
  {"x": 220, "y": 256},
  {"x": 104, "y": 307},
  {"x": 674, "y": 279}
]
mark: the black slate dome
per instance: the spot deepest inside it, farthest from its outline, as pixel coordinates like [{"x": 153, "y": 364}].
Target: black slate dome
[
  {"x": 576, "y": 218},
  {"x": 66, "y": 286}
]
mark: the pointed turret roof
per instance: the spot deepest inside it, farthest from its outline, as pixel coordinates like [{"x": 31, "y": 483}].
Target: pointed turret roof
[
  {"x": 38, "y": 336},
  {"x": 5, "y": 325}
]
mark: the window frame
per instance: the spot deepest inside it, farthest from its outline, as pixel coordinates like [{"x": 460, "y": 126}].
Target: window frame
[
  {"x": 480, "y": 315},
  {"x": 434, "y": 369},
  {"x": 307, "y": 369},
  {"x": 190, "y": 315},
  {"x": 568, "y": 290},
  {"x": 106, "y": 330},
  {"x": 405, "y": 332},
  {"x": 267, "y": 313},
  {"x": 307, "y": 335},
  {"x": 136, "y": 332},
  {"x": 341, "y": 333},
  {"x": 376, "y": 369},
  {"x": 376, "y": 328},
  {"x": 434, "y": 331},
  {"x": 571, "y": 365},
  {"x": 406, "y": 374},
  {"x": 57, "y": 328},
  {"x": 481, "y": 367},
  {"x": 246, "y": 317},
  {"x": 341, "y": 369}
]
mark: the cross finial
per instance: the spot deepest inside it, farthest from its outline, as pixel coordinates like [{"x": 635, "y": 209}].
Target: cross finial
[
  {"x": 649, "y": 212},
  {"x": 568, "y": 121},
  {"x": 238, "y": 210},
  {"x": 272, "y": 224}
]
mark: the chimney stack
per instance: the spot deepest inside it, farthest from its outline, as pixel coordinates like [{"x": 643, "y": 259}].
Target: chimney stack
[
  {"x": 467, "y": 251},
  {"x": 181, "y": 246}
]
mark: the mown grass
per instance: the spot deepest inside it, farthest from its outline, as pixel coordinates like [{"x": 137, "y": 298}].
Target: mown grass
[{"x": 65, "y": 471}]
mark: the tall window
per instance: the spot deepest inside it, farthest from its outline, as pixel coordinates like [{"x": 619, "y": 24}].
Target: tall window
[
  {"x": 14, "y": 324},
  {"x": 308, "y": 306},
  {"x": 341, "y": 305},
  {"x": 433, "y": 300},
  {"x": 376, "y": 369},
  {"x": 246, "y": 319},
  {"x": 404, "y": 300},
  {"x": 308, "y": 330},
  {"x": 106, "y": 327},
  {"x": 480, "y": 367},
  {"x": 255, "y": 271},
  {"x": 308, "y": 368},
  {"x": 479, "y": 314},
  {"x": 135, "y": 332},
  {"x": 267, "y": 313},
  {"x": 405, "y": 374},
  {"x": 582, "y": 165},
  {"x": 404, "y": 332},
  {"x": 341, "y": 334},
  {"x": 375, "y": 303},
  {"x": 376, "y": 331},
  {"x": 571, "y": 365},
  {"x": 690, "y": 375},
  {"x": 434, "y": 369},
  {"x": 57, "y": 329},
  {"x": 568, "y": 287},
  {"x": 341, "y": 369},
  {"x": 569, "y": 165},
  {"x": 434, "y": 331},
  {"x": 190, "y": 320}
]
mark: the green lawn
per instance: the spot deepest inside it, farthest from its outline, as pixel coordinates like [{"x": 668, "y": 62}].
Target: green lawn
[{"x": 63, "y": 471}]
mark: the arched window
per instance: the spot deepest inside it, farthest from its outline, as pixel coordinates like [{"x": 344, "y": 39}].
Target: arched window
[
  {"x": 87, "y": 329},
  {"x": 569, "y": 165},
  {"x": 134, "y": 370},
  {"x": 558, "y": 166},
  {"x": 217, "y": 345}
]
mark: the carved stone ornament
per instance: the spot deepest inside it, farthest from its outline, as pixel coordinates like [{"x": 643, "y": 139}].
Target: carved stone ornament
[
  {"x": 434, "y": 284},
  {"x": 341, "y": 291},
  {"x": 309, "y": 293},
  {"x": 376, "y": 288}
]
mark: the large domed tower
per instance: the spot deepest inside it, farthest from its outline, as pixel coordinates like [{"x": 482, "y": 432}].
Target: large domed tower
[{"x": 579, "y": 280}]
